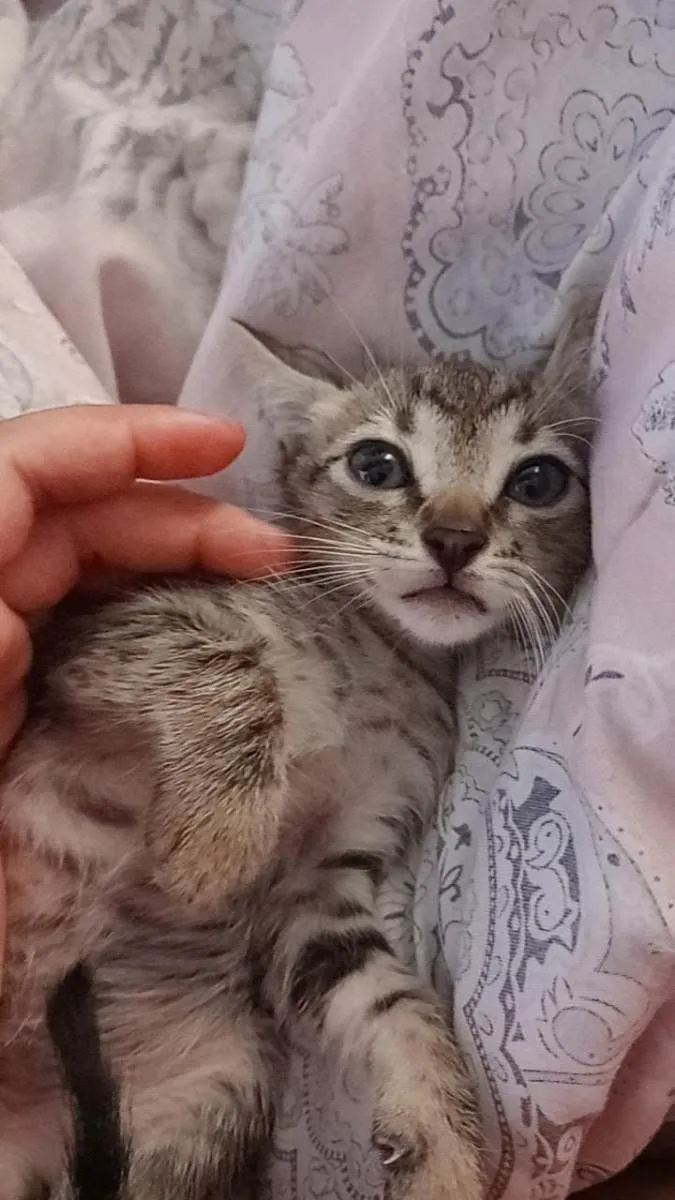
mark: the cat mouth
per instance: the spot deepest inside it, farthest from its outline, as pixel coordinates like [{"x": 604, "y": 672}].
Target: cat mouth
[{"x": 447, "y": 595}]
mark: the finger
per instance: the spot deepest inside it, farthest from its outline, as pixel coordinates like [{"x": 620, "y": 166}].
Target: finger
[
  {"x": 84, "y": 454},
  {"x": 152, "y": 528},
  {"x": 232, "y": 542},
  {"x": 101, "y": 581},
  {"x": 46, "y": 568},
  {"x": 147, "y": 529},
  {"x": 88, "y": 452},
  {"x": 3, "y": 922},
  {"x": 15, "y": 652},
  {"x": 12, "y": 714}
]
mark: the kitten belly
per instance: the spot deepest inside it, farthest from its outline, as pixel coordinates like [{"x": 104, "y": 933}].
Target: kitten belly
[{"x": 372, "y": 796}]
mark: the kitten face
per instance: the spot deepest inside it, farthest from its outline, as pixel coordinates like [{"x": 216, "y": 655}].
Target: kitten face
[
  {"x": 453, "y": 497},
  {"x": 450, "y": 496}
]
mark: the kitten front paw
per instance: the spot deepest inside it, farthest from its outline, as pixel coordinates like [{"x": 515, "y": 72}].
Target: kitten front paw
[
  {"x": 223, "y": 851},
  {"x": 429, "y": 1164}
]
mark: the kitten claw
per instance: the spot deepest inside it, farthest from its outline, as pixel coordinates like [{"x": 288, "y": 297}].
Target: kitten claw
[{"x": 391, "y": 1152}]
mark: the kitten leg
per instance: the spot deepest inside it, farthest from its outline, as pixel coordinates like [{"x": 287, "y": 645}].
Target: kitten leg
[
  {"x": 201, "y": 1130},
  {"x": 196, "y": 1066},
  {"x": 50, "y": 868},
  {"x": 198, "y": 1130},
  {"x": 67, "y": 829},
  {"x": 196, "y": 1167},
  {"x": 34, "y": 1119},
  {"x": 220, "y": 701},
  {"x": 333, "y": 964},
  {"x": 99, "y": 1153}
]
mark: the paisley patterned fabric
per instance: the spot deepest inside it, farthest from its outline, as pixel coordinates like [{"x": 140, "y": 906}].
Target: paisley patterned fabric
[{"x": 408, "y": 178}]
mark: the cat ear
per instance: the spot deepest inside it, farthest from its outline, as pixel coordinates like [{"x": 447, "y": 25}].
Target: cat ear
[
  {"x": 284, "y": 383},
  {"x": 306, "y": 360},
  {"x": 568, "y": 368}
]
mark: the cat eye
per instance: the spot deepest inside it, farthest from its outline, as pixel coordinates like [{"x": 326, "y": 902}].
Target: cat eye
[
  {"x": 378, "y": 464},
  {"x": 538, "y": 482}
]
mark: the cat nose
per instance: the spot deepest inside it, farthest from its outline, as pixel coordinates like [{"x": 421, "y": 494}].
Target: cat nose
[{"x": 453, "y": 548}]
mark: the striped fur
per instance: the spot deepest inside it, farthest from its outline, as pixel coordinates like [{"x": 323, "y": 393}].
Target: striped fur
[
  {"x": 99, "y": 1155},
  {"x": 212, "y": 783}
]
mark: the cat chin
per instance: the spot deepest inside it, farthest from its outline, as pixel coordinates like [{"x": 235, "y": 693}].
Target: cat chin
[{"x": 447, "y": 621}]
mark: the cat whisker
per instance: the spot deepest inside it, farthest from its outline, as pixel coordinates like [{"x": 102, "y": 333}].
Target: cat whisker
[
  {"x": 326, "y": 550},
  {"x": 304, "y": 588},
  {"x": 368, "y": 352},
  {"x": 341, "y": 550},
  {"x": 323, "y": 579},
  {"x": 320, "y": 563},
  {"x": 544, "y": 605},
  {"x": 526, "y": 627},
  {"x": 538, "y": 647},
  {"x": 575, "y": 421},
  {"x": 363, "y": 545},
  {"x": 335, "y": 554},
  {"x": 519, "y": 628},
  {"x": 358, "y": 599},
  {"x": 560, "y": 607},
  {"x": 354, "y": 596},
  {"x": 556, "y": 392},
  {"x": 317, "y": 567},
  {"x": 578, "y": 437},
  {"x": 547, "y": 587},
  {"x": 320, "y": 548},
  {"x": 319, "y": 523},
  {"x": 541, "y": 623},
  {"x": 331, "y": 591},
  {"x": 309, "y": 539},
  {"x": 539, "y": 611},
  {"x": 336, "y": 363},
  {"x": 317, "y": 573},
  {"x": 303, "y": 592},
  {"x": 334, "y": 525}
]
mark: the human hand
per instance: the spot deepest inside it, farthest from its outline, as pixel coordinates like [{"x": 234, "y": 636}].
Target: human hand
[{"x": 72, "y": 510}]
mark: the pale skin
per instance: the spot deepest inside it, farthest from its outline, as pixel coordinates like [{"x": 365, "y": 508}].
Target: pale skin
[{"x": 85, "y": 496}]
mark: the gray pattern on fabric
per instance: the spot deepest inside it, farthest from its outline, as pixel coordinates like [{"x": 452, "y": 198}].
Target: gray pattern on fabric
[{"x": 479, "y": 157}]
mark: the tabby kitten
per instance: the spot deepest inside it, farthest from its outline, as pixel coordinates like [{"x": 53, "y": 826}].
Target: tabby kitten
[{"x": 215, "y": 776}]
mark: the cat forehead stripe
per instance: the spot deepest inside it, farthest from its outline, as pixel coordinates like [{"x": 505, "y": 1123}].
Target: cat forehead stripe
[{"x": 461, "y": 391}]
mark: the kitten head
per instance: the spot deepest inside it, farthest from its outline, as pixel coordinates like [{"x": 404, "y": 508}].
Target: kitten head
[{"x": 454, "y": 497}]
